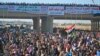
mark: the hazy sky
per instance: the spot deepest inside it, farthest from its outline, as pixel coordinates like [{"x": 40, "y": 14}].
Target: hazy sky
[{"x": 53, "y": 1}]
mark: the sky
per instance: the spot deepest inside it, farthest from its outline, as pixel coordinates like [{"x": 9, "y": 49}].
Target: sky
[{"x": 53, "y": 2}]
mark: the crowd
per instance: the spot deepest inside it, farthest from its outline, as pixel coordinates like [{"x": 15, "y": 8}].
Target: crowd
[
  {"x": 56, "y": 4},
  {"x": 78, "y": 43}
]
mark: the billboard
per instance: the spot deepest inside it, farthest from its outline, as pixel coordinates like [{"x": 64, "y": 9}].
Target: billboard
[{"x": 56, "y": 10}]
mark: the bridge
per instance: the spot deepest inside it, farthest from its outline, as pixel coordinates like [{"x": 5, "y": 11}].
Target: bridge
[{"x": 48, "y": 12}]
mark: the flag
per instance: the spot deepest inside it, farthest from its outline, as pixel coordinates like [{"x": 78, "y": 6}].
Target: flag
[{"x": 70, "y": 29}]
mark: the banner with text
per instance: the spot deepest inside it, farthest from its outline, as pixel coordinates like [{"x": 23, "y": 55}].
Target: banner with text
[
  {"x": 78, "y": 10},
  {"x": 96, "y": 10},
  {"x": 26, "y": 8},
  {"x": 3, "y": 7},
  {"x": 56, "y": 10},
  {"x": 82, "y": 10},
  {"x": 50, "y": 10}
]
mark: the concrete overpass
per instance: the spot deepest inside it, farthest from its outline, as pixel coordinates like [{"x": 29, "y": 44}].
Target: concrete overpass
[{"x": 47, "y": 20}]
